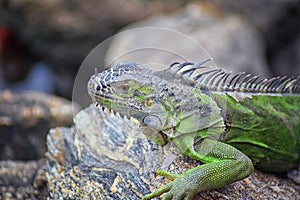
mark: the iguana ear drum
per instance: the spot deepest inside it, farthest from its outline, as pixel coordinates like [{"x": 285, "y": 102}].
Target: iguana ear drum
[{"x": 152, "y": 121}]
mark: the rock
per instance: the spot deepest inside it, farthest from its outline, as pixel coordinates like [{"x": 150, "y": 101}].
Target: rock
[
  {"x": 294, "y": 175},
  {"x": 56, "y": 29},
  {"x": 107, "y": 157},
  {"x": 279, "y": 23},
  {"x": 99, "y": 158},
  {"x": 263, "y": 13},
  {"x": 229, "y": 39},
  {"x": 287, "y": 61},
  {"x": 22, "y": 180},
  {"x": 25, "y": 119}
]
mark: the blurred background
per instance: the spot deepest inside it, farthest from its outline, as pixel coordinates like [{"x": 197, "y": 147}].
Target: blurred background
[{"x": 43, "y": 43}]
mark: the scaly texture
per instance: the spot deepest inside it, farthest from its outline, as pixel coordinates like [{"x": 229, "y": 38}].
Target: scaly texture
[{"x": 229, "y": 122}]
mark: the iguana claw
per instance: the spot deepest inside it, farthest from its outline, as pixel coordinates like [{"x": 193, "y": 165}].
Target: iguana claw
[{"x": 175, "y": 190}]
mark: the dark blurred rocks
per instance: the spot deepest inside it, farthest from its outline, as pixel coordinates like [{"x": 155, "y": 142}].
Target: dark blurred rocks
[
  {"x": 279, "y": 23},
  {"x": 231, "y": 40},
  {"x": 20, "y": 69},
  {"x": 22, "y": 180},
  {"x": 25, "y": 119},
  {"x": 63, "y": 32},
  {"x": 261, "y": 37}
]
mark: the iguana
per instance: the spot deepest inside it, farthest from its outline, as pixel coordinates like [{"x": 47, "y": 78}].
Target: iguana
[{"x": 229, "y": 122}]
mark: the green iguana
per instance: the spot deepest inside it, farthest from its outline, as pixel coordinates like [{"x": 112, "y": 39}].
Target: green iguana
[{"x": 230, "y": 122}]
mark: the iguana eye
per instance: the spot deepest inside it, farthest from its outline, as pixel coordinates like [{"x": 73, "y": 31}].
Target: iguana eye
[
  {"x": 123, "y": 89},
  {"x": 148, "y": 102}
]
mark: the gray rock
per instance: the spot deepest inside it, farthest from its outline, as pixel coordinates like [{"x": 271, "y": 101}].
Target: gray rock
[
  {"x": 287, "y": 61},
  {"x": 22, "y": 180},
  {"x": 279, "y": 23},
  {"x": 107, "y": 157},
  {"x": 232, "y": 41},
  {"x": 63, "y": 31},
  {"x": 263, "y": 13},
  {"x": 25, "y": 119},
  {"x": 99, "y": 158}
]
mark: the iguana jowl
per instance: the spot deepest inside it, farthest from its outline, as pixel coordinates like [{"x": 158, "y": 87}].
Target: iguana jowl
[{"x": 228, "y": 122}]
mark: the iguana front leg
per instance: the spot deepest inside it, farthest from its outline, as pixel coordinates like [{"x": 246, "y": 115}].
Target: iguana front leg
[{"x": 224, "y": 164}]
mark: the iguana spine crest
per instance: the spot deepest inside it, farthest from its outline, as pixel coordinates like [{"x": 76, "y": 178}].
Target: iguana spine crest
[{"x": 216, "y": 79}]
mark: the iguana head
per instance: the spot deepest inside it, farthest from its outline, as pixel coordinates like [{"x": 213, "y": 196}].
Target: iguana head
[
  {"x": 134, "y": 91},
  {"x": 160, "y": 100}
]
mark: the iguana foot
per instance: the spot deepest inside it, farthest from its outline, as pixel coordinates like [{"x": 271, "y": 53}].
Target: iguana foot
[{"x": 180, "y": 187}]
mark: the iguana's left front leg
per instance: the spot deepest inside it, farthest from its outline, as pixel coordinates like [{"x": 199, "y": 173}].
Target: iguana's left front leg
[{"x": 224, "y": 164}]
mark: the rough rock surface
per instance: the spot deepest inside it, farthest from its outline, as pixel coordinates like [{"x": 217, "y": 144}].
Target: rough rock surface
[
  {"x": 25, "y": 119},
  {"x": 22, "y": 180},
  {"x": 107, "y": 157},
  {"x": 234, "y": 43}
]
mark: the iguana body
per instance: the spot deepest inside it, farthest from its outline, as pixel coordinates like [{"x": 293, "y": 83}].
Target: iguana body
[{"x": 228, "y": 122}]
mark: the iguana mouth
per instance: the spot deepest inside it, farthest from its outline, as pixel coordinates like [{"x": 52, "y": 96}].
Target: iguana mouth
[
  {"x": 114, "y": 113},
  {"x": 97, "y": 90}
]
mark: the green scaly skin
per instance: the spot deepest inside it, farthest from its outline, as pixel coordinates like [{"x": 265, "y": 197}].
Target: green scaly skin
[{"x": 228, "y": 129}]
